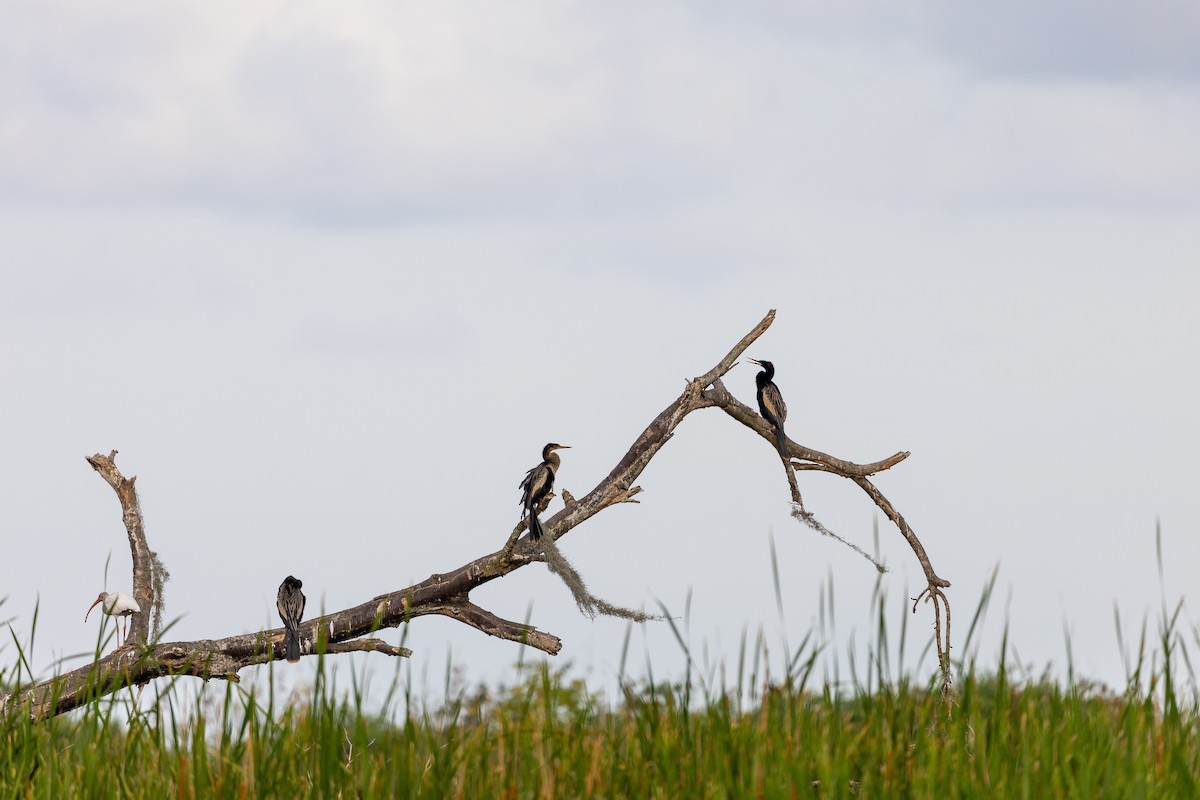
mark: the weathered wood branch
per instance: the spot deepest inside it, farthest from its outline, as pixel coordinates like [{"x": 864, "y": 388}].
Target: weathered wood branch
[
  {"x": 719, "y": 396},
  {"x": 143, "y": 565},
  {"x": 800, "y": 457},
  {"x": 805, "y": 458},
  {"x": 369, "y": 646},
  {"x": 446, "y": 594}
]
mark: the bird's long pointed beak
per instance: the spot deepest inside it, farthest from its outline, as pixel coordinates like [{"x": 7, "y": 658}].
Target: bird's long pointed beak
[
  {"x": 754, "y": 361},
  {"x": 89, "y": 611}
]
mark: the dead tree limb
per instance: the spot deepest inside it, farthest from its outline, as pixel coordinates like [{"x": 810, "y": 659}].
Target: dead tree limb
[
  {"x": 143, "y": 559},
  {"x": 447, "y": 594},
  {"x": 805, "y": 458}
]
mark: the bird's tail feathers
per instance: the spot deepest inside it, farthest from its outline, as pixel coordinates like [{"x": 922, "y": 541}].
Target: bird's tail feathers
[
  {"x": 291, "y": 644},
  {"x": 535, "y": 524},
  {"x": 781, "y": 441}
]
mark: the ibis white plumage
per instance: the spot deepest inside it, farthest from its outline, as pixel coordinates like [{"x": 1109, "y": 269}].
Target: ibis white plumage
[{"x": 117, "y": 604}]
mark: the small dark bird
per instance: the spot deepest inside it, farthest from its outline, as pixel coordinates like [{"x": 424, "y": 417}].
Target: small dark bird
[
  {"x": 290, "y": 602},
  {"x": 538, "y": 483},
  {"x": 770, "y": 403}
]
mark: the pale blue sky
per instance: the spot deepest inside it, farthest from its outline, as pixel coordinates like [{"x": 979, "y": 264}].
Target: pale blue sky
[{"x": 329, "y": 277}]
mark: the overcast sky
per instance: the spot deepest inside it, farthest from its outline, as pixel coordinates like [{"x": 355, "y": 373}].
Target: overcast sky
[{"x": 329, "y": 276}]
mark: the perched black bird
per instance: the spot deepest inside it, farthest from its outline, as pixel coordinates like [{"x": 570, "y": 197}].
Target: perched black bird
[
  {"x": 290, "y": 602},
  {"x": 770, "y": 403},
  {"x": 538, "y": 483}
]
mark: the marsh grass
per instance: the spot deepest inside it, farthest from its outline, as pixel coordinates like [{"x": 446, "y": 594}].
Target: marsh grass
[{"x": 721, "y": 732}]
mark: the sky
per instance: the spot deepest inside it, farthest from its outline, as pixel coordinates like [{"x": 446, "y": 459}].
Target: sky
[{"x": 328, "y": 277}]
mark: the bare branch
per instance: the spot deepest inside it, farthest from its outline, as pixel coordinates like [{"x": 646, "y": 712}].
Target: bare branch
[
  {"x": 369, "y": 646},
  {"x": 489, "y": 623},
  {"x": 143, "y": 559},
  {"x": 445, "y": 594},
  {"x": 909, "y": 534},
  {"x": 805, "y": 458},
  {"x": 941, "y": 604},
  {"x": 720, "y": 397}
]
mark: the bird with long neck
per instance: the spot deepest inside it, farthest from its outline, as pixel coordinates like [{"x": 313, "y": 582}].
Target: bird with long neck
[
  {"x": 290, "y": 604},
  {"x": 770, "y": 403},
  {"x": 119, "y": 605},
  {"x": 538, "y": 483}
]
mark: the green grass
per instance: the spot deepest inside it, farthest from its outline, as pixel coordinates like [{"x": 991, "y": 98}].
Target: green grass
[{"x": 548, "y": 736}]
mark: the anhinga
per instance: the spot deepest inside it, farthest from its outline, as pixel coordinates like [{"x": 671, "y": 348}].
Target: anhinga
[
  {"x": 290, "y": 602},
  {"x": 538, "y": 483},
  {"x": 770, "y": 402}
]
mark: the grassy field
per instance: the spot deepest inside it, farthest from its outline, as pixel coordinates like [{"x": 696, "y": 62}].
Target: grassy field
[{"x": 549, "y": 737}]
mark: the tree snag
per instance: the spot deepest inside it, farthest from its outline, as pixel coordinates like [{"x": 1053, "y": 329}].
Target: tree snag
[{"x": 447, "y": 593}]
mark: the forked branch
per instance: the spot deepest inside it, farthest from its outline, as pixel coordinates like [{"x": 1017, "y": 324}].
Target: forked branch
[{"x": 805, "y": 458}]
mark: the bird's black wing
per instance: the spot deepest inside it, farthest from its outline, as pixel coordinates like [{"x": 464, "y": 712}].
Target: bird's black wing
[
  {"x": 525, "y": 484},
  {"x": 771, "y": 404},
  {"x": 536, "y": 485},
  {"x": 774, "y": 411}
]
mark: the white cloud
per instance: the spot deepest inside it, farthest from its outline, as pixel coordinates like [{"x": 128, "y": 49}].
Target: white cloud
[{"x": 379, "y": 115}]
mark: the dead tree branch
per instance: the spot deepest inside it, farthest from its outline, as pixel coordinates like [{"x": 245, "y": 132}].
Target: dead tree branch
[
  {"x": 143, "y": 559},
  {"x": 805, "y": 458},
  {"x": 446, "y": 594}
]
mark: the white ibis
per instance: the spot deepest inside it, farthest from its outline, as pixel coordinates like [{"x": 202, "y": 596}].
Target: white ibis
[{"x": 117, "y": 604}]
